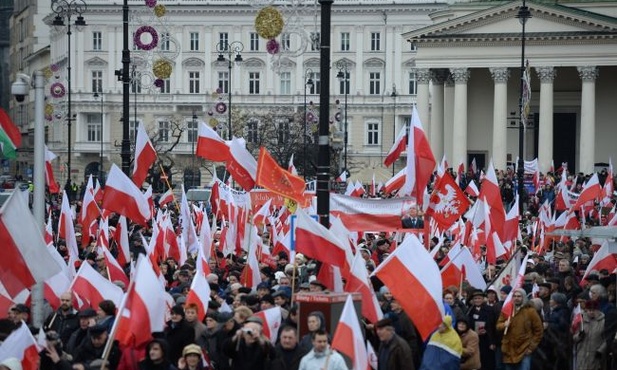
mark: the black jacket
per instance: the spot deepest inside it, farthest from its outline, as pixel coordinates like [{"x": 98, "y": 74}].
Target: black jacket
[
  {"x": 178, "y": 336},
  {"x": 287, "y": 360}
]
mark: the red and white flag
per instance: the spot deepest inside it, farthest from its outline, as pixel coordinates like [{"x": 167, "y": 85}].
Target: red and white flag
[
  {"x": 20, "y": 344},
  {"x": 199, "y": 294},
  {"x": 348, "y": 338},
  {"x": 395, "y": 182},
  {"x": 447, "y": 203},
  {"x": 577, "y": 319},
  {"x": 461, "y": 266},
  {"x": 166, "y": 197},
  {"x": 25, "y": 258},
  {"x": 262, "y": 214},
  {"x": 421, "y": 295},
  {"x": 50, "y": 180},
  {"x": 604, "y": 258},
  {"x": 590, "y": 192},
  {"x": 420, "y": 159},
  {"x": 251, "y": 276},
  {"x": 145, "y": 155},
  {"x": 359, "y": 281},
  {"x": 90, "y": 213},
  {"x": 272, "y": 319},
  {"x": 210, "y": 145},
  {"x": 189, "y": 233},
  {"x": 472, "y": 189},
  {"x": 291, "y": 168},
  {"x": 399, "y": 146},
  {"x": 342, "y": 177},
  {"x": 93, "y": 288},
  {"x": 508, "y": 305},
  {"x": 491, "y": 193},
  {"x": 241, "y": 164},
  {"x": 122, "y": 241},
  {"x": 114, "y": 270},
  {"x": 124, "y": 197}
]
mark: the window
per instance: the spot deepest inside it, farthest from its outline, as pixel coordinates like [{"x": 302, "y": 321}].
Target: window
[
  {"x": 223, "y": 40},
  {"x": 375, "y": 41},
  {"x": 315, "y": 41},
  {"x": 224, "y": 82},
  {"x": 253, "y": 82},
  {"x": 93, "y": 129},
  {"x": 254, "y": 41},
  {"x": 97, "y": 81},
  {"x": 285, "y": 41},
  {"x": 345, "y": 41},
  {"x": 374, "y": 79},
  {"x": 133, "y": 130},
  {"x": 413, "y": 85},
  {"x": 407, "y": 122},
  {"x": 285, "y": 83},
  {"x": 193, "y": 82},
  {"x": 413, "y": 47},
  {"x": 166, "y": 88},
  {"x": 252, "y": 131},
  {"x": 164, "y": 131},
  {"x": 136, "y": 83},
  {"x": 372, "y": 133},
  {"x": 344, "y": 83},
  {"x": 191, "y": 132},
  {"x": 316, "y": 87},
  {"x": 165, "y": 41},
  {"x": 282, "y": 126},
  {"x": 97, "y": 40},
  {"x": 194, "y": 37}
]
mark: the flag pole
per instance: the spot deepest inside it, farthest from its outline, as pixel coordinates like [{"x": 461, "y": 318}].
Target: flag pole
[
  {"x": 114, "y": 328},
  {"x": 507, "y": 263},
  {"x": 169, "y": 186}
]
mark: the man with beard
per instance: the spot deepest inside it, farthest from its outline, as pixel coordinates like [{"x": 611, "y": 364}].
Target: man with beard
[
  {"x": 288, "y": 351},
  {"x": 482, "y": 321},
  {"x": 64, "y": 321}
]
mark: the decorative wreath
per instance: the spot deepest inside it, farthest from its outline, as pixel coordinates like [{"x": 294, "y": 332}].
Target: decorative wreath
[
  {"x": 337, "y": 116},
  {"x": 161, "y": 68},
  {"x": 272, "y": 46},
  {"x": 150, "y": 3},
  {"x": 310, "y": 117},
  {"x": 213, "y": 122},
  {"x": 160, "y": 10},
  {"x": 49, "y": 109},
  {"x": 210, "y": 112},
  {"x": 220, "y": 108},
  {"x": 269, "y": 22},
  {"x": 159, "y": 83},
  {"x": 54, "y": 67},
  {"x": 153, "y": 34},
  {"x": 57, "y": 90}
]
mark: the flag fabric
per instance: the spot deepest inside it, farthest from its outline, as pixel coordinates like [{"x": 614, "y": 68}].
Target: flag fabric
[
  {"x": 10, "y": 136},
  {"x": 262, "y": 214},
  {"x": 290, "y": 167},
  {"x": 359, "y": 281},
  {"x": 66, "y": 229},
  {"x": 395, "y": 182},
  {"x": 491, "y": 193},
  {"x": 315, "y": 241},
  {"x": 577, "y": 319},
  {"x": 21, "y": 345},
  {"x": 272, "y": 319},
  {"x": 420, "y": 159},
  {"x": 210, "y": 145},
  {"x": 50, "y": 180},
  {"x": 199, "y": 294},
  {"x": 508, "y": 305},
  {"x": 348, "y": 338},
  {"x": 472, "y": 189},
  {"x": 124, "y": 197},
  {"x": 241, "y": 164},
  {"x": 591, "y": 191},
  {"x": 274, "y": 178},
  {"x": 166, "y": 197},
  {"x": 461, "y": 266},
  {"x": 90, "y": 212},
  {"x": 399, "y": 146},
  {"x": 25, "y": 259},
  {"x": 114, "y": 270},
  {"x": 122, "y": 241},
  {"x": 342, "y": 177},
  {"x": 189, "y": 233},
  {"x": 145, "y": 155},
  {"x": 447, "y": 203},
  {"x": 93, "y": 288},
  {"x": 421, "y": 294},
  {"x": 604, "y": 258}
]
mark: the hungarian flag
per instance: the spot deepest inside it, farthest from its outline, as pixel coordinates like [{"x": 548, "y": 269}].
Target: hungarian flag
[
  {"x": 25, "y": 259},
  {"x": 10, "y": 137},
  {"x": 21, "y": 345},
  {"x": 54, "y": 188},
  {"x": 420, "y": 159},
  {"x": 447, "y": 203},
  {"x": 274, "y": 178},
  {"x": 145, "y": 155},
  {"x": 124, "y": 197},
  {"x": 210, "y": 145},
  {"x": 348, "y": 338},
  {"x": 399, "y": 146}
]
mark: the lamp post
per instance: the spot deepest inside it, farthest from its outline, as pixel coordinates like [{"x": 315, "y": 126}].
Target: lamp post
[
  {"x": 308, "y": 83},
  {"x": 229, "y": 48},
  {"x": 67, "y": 9},
  {"x": 96, "y": 96},
  {"x": 393, "y": 96},
  {"x": 523, "y": 15},
  {"x": 343, "y": 77}
]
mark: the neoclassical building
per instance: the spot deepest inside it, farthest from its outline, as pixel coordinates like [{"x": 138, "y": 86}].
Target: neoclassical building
[{"x": 469, "y": 72}]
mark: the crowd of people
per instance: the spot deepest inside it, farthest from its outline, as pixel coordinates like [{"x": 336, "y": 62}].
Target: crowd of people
[{"x": 541, "y": 330}]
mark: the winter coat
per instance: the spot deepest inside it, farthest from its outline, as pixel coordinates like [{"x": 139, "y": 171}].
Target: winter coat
[
  {"x": 314, "y": 361},
  {"x": 470, "y": 359},
  {"x": 589, "y": 341},
  {"x": 178, "y": 336},
  {"x": 399, "y": 354},
  {"x": 524, "y": 333},
  {"x": 294, "y": 356}
]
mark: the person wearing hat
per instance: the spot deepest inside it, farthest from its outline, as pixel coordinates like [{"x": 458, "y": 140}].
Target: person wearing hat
[
  {"x": 191, "y": 358},
  {"x": 228, "y": 327},
  {"x": 178, "y": 333},
  {"x": 482, "y": 321},
  {"x": 266, "y": 302},
  {"x": 557, "y": 332},
  {"x": 444, "y": 348},
  {"x": 394, "y": 352},
  {"x": 406, "y": 330},
  {"x": 588, "y": 337},
  {"x": 64, "y": 320},
  {"x": 544, "y": 293},
  {"x": 157, "y": 356},
  {"x": 87, "y": 318},
  {"x": 470, "y": 358},
  {"x": 92, "y": 348},
  {"x": 317, "y": 286},
  {"x": 263, "y": 288},
  {"x": 249, "y": 348}
]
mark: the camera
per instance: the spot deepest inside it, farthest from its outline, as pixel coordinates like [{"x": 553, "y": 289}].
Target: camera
[
  {"x": 248, "y": 331},
  {"x": 21, "y": 87}
]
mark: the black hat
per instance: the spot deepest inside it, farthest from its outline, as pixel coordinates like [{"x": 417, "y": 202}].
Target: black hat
[
  {"x": 86, "y": 313},
  {"x": 223, "y": 317},
  {"x": 318, "y": 283},
  {"x": 386, "y": 321},
  {"x": 593, "y": 277},
  {"x": 184, "y": 273},
  {"x": 282, "y": 293},
  {"x": 212, "y": 304},
  {"x": 263, "y": 285},
  {"x": 477, "y": 292},
  {"x": 267, "y": 298},
  {"x": 255, "y": 319},
  {"x": 97, "y": 330},
  {"x": 178, "y": 309},
  {"x": 21, "y": 308},
  {"x": 244, "y": 289}
]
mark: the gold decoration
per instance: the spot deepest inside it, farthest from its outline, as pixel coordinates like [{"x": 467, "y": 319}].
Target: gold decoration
[
  {"x": 160, "y": 10},
  {"x": 162, "y": 69},
  {"x": 47, "y": 72},
  {"x": 213, "y": 122},
  {"x": 269, "y": 22},
  {"x": 291, "y": 205},
  {"x": 49, "y": 109}
]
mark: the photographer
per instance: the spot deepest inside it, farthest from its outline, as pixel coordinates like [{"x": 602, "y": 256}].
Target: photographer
[
  {"x": 52, "y": 355},
  {"x": 249, "y": 349}
]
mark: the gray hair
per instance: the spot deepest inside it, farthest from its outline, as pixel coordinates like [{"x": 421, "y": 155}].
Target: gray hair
[{"x": 600, "y": 290}]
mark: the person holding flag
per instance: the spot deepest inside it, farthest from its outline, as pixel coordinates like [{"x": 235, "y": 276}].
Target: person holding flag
[{"x": 588, "y": 338}]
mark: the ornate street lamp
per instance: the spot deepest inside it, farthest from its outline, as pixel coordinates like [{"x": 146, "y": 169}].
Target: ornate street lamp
[{"x": 230, "y": 49}]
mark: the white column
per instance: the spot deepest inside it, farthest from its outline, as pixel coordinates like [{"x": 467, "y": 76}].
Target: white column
[
  {"x": 459, "y": 129},
  {"x": 586, "y": 159},
  {"x": 545, "y": 126},
  {"x": 448, "y": 119},
  {"x": 500, "y": 114},
  {"x": 423, "y": 77},
  {"x": 437, "y": 114}
]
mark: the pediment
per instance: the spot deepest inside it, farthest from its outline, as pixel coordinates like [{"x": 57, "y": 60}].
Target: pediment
[
  {"x": 500, "y": 22},
  {"x": 96, "y": 62}
]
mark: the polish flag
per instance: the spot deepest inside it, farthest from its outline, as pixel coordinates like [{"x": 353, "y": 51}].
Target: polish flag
[
  {"x": 260, "y": 217},
  {"x": 66, "y": 229},
  {"x": 272, "y": 319},
  {"x": 205, "y": 247},
  {"x": 145, "y": 155},
  {"x": 420, "y": 159},
  {"x": 122, "y": 241},
  {"x": 494, "y": 247},
  {"x": 395, "y": 182},
  {"x": 590, "y": 192},
  {"x": 472, "y": 189},
  {"x": 491, "y": 193},
  {"x": 210, "y": 145},
  {"x": 124, "y": 197},
  {"x": 359, "y": 282},
  {"x": 508, "y": 305},
  {"x": 474, "y": 167},
  {"x": 577, "y": 319},
  {"x": 21, "y": 345},
  {"x": 291, "y": 168},
  {"x": 604, "y": 258},
  {"x": 551, "y": 169},
  {"x": 461, "y": 266},
  {"x": 144, "y": 308},
  {"x": 421, "y": 295},
  {"x": 25, "y": 259},
  {"x": 199, "y": 294},
  {"x": 188, "y": 227},
  {"x": 50, "y": 180},
  {"x": 251, "y": 276},
  {"x": 241, "y": 164},
  {"x": 342, "y": 177},
  {"x": 114, "y": 270},
  {"x": 608, "y": 188},
  {"x": 90, "y": 212},
  {"x": 166, "y": 197},
  {"x": 48, "y": 234},
  {"x": 348, "y": 338},
  {"x": 93, "y": 288},
  {"x": 399, "y": 146}
]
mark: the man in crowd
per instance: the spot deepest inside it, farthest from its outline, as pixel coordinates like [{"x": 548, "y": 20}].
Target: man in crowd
[{"x": 322, "y": 356}]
